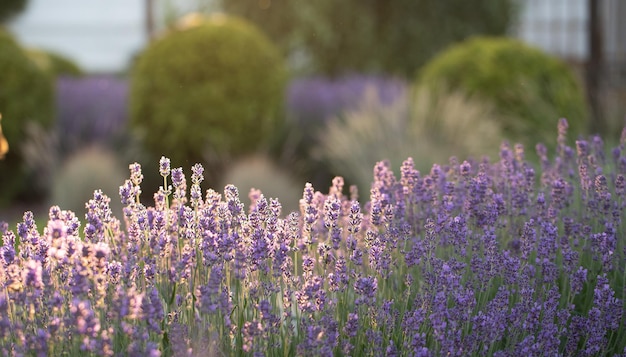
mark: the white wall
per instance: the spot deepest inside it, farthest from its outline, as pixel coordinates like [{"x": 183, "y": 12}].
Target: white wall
[{"x": 100, "y": 35}]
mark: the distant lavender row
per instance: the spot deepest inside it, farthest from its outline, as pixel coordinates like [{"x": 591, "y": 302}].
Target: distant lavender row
[
  {"x": 312, "y": 101},
  {"x": 96, "y": 108},
  {"x": 91, "y": 109}
]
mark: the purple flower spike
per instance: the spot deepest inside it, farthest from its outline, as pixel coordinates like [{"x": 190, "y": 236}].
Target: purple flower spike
[{"x": 164, "y": 166}]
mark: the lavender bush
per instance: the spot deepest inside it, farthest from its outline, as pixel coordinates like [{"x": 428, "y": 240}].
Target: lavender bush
[
  {"x": 312, "y": 101},
  {"x": 472, "y": 258},
  {"x": 91, "y": 110}
]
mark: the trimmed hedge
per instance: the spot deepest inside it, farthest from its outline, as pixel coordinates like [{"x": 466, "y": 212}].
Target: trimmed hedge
[
  {"x": 531, "y": 89},
  {"x": 208, "y": 91}
]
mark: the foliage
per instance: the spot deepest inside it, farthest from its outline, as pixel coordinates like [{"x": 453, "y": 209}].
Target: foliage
[
  {"x": 84, "y": 172},
  {"x": 276, "y": 18},
  {"x": 430, "y": 126},
  {"x": 530, "y": 88},
  {"x": 485, "y": 258},
  {"x": 208, "y": 92},
  {"x": 11, "y": 8},
  {"x": 54, "y": 64},
  {"x": 395, "y": 37},
  {"x": 26, "y": 95}
]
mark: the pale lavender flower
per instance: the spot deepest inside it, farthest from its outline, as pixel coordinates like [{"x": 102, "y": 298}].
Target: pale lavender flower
[
  {"x": 577, "y": 280},
  {"x": 86, "y": 323},
  {"x": 208, "y": 296},
  {"x": 412, "y": 323},
  {"x": 546, "y": 252},
  {"x": 180, "y": 185},
  {"x": 366, "y": 288},
  {"x": 351, "y": 327},
  {"x": 337, "y": 187},
  {"x": 620, "y": 186},
  {"x": 127, "y": 193},
  {"x": 153, "y": 309},
  {"x": 164, "y": 166},
  {"x": 312, "y": 297},
  {"x": 38, "y": 342},
  {"x": 332, "y": 211},
  {"x": 439, "y": 316},
  {"x": 596, "y": 333},
  {"x": 577, "y": 328},
  {"x": 338, "y": 280},
  {"x": 7, "y": 251},
  {"x": 251, "y": 331},
  {"x": 98, "y": 214},
  {"x": 235, "y": 207},
  {"x": 27, "y": 229},
  {"x": 355, "y": 219},
  {"x": 377, "y": 205},
  {"x": 490, "y": 323},
  {"x": 548, "y": 333},
  {"x": 610, "y": 306},
  {"x": 32, "y": 274},
  {"x": 309, "y": 212},
  {"x": 562, "y": 127},
  {"x": 528, "y": 239},
  {"x": 136, "y": 177},
  {"x": 269, "y": 320}
]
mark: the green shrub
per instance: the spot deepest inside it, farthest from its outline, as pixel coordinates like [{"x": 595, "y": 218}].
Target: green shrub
[
  {"x": 429, "y": 126},
  {"x": 87, "y": 170},
  {"x": 26, "y": 94},
  {"x": 11, "y": 8},
  {"x": 530, "y": 88},
  {"x": 208, "y": 91},
  {"x": 54, "y": 63}
]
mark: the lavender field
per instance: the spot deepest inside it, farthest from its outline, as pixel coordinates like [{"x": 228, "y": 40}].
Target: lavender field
[{"x": 474, "y": 258}]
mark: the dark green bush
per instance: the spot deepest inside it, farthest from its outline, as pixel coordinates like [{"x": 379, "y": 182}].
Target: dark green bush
[
  {"x": 529, "y": 88},
  {"x": 208, "y": 92},
  {"x": 26, "y": 95},
  {"x": 11, "y": 8}
]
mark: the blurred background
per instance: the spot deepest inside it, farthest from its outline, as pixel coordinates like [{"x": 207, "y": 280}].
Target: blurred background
[{"x": 271, "y": 94}]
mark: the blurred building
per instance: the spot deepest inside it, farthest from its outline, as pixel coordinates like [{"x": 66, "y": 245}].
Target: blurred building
[{"x": 591, "y": 36}]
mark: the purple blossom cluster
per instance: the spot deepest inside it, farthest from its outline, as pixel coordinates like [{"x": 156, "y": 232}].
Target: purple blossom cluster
[{"x": 473, "y": 258}]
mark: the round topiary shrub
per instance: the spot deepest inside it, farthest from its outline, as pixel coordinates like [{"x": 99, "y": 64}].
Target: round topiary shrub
[
  {"x": 94, "y": 168},
  {"x": 207, "y": 91},
  {"x": 26, "y": 95},
  {"x": 529, "y": 88}
]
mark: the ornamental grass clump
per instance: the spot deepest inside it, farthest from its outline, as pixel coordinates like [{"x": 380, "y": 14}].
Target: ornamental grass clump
[{"x": 471, "y": 258}]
